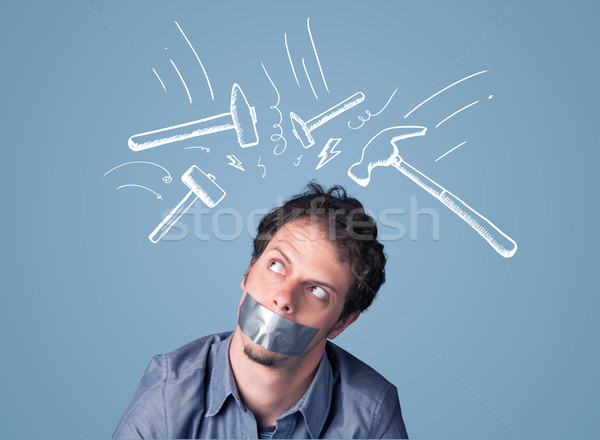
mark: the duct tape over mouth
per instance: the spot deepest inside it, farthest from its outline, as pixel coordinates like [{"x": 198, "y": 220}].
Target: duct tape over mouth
[{"x": 272, "y": 331}]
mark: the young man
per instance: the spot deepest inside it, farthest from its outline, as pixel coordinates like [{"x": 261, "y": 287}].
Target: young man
[{"x": 316, "y": 266}]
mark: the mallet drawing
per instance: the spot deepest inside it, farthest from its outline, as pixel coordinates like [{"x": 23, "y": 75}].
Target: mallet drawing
[
  {"x": 202, "y": 186},
  {"x": 303, "y": 130},
  {"x": 382, "y": 150},
  {"x": 241, "y": 118}
]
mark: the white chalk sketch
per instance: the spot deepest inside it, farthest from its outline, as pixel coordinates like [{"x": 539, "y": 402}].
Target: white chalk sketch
[
  {"x": 443, "y": 90},
  {"x": 161, "y": 82},
  {"x": 316, "y": 54},
  {"x": 455, "y": 113},
  {"x": 202, "y": 186},
  {"x": 158, "y": 196},
  {"x": 308, "y": 77},
  {"x": 166, "y": 179},
  {"x": 199, "y": 62},
  {"x": 241, "y": 118},
  {"x": 235, "y": 162},
  {"x": 276, "y": 136},
  {"x": 198, "y": 148},
  {"x": 302, "y": 130},
  {"x": 264, "y": 173},
  {"x": 328, "y": 153},
  {"x": 182, "y": 80},
  {"x": 297, "y": 161},
  {"x": 450, "y": 151},
  {"x": 290, "y": 58},
  {"x": 383, "y": 151},
  {"x": 370, "y": 115}
]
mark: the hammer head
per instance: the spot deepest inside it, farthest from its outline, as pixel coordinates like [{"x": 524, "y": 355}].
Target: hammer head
[
  {"x": 382, "y": 151},
  {"x": 301, "y": 131},
  {"x": 244, "y": 118},
  {"x": 203, "y": 186}
]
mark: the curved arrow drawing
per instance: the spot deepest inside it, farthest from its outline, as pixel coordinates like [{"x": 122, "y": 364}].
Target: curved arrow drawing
[
  {"x": 158, "y": 196},
  {"x": 166, "y": 179}
]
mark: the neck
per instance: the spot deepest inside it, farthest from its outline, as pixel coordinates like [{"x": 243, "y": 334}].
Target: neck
[{"x": 270, "y": 391}]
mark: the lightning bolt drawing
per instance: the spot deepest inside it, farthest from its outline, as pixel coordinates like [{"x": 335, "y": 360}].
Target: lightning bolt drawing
[
  {"x": 327, "y": 153},
  {"x": 235, "y": 162}
]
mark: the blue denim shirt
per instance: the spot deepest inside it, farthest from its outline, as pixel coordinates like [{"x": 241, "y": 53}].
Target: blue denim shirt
[{"x": 191, "y": 393}]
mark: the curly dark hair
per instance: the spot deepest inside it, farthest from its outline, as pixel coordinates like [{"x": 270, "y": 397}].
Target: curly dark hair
[{"x": 352, "y": 230}]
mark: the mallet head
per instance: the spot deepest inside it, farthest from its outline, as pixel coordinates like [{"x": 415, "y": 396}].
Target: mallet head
[
  {"x": 203, "y": 186},
  {"x": 244, "y": 118},
  {"x": 301, "y": 131},
  {"x": 382, "y": 151}
]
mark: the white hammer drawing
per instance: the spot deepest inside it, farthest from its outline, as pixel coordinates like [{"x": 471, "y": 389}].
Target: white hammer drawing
[
  {"x": 241, "y": 118},
  {"x": 202, "y": 186},
  {"x": 303, "y": 129},
  {"x": 382, "y": 151}
]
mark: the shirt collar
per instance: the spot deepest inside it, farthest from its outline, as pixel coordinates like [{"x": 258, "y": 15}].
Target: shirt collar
[
  {"x": 221, "y": 383},
  {"x": 313, "y": 405},
  {"x": 316, "y": 401}
]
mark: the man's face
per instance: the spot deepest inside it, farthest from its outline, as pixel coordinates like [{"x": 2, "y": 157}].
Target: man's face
[{"x": 298, "y": 276}]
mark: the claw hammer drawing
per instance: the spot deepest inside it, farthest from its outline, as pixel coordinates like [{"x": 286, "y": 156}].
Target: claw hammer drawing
[{"x": 382, "y": 150}]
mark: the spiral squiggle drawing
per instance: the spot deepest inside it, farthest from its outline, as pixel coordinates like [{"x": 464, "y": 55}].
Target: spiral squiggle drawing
[
  {"x": 370, "y": 115},
  {"x": 275, "y": 137}
]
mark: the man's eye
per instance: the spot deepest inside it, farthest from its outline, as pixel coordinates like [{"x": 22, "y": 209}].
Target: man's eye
[
  {"x": 276, "y": 266},
  {"x": 319, "y": 292}
]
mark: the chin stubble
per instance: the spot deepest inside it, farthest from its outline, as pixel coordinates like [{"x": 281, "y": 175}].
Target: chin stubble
[{"x": 266, "y": 360}]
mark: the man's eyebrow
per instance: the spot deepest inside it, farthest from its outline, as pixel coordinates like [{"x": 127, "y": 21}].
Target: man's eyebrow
[
  {"x": 329, "y": 286},
  {"x": 283, "y": 254}
]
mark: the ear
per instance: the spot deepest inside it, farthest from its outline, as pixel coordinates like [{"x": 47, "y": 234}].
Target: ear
[
  {"x": 341, "y": 325},
  {"x": 245, "y": 277}
]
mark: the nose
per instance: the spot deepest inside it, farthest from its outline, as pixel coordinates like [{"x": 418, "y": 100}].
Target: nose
[{"x": 284, "y": 299}]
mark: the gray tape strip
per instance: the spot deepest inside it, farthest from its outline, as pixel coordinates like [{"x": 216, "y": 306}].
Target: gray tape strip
[{"x": 271, "y": 331}]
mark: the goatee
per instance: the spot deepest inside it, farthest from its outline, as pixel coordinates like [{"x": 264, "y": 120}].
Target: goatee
[{"x": 265, "y": 360}]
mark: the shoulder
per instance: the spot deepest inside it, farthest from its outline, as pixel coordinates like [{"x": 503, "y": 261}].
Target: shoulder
[
  {"x": 191, "y": 358},
  {"x": 366, "y": 395},
  {"x": 356, "y": 378},
  {"x": 170, "y": 383}
]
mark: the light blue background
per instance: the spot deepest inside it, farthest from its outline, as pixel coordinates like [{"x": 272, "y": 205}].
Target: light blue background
[{"x": 478, "y": 346}]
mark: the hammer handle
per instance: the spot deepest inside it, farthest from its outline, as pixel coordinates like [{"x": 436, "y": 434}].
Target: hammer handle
[
  {"x": 154, "y": 138},
  {"x": 173, "y": 217},
  {"x": 497, "y": 239},
  {"x": 332, "y": 112}
]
